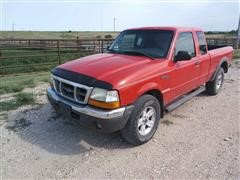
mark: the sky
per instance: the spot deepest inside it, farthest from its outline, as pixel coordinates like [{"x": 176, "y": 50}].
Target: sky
[{"x": 83, "y": 15}]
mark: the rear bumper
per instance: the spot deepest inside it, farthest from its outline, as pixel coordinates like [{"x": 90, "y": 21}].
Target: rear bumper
[{"x": 94, "y": 118}]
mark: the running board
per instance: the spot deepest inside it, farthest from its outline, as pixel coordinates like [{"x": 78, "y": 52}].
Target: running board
[{"x": 184, "y": 99}]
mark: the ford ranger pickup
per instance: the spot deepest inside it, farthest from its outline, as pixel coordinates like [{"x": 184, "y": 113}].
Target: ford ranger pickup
[{"x": 143, "y": 74}]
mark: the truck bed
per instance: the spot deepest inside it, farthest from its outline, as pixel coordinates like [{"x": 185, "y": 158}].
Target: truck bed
[
  {"x": 212, "y": 47},
  {"x": 217, "y": 54}
]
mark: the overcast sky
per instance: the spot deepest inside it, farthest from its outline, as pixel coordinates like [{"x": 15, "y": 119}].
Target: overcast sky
[{"x": 98, "y": 16}]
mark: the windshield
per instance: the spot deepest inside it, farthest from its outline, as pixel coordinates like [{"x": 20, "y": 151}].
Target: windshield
[{"x": 150, "y": 43}]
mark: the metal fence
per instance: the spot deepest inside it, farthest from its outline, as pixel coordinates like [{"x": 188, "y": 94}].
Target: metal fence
[
  {"x": 25, "y": 55},
  {"x": 223, "y": 41}
]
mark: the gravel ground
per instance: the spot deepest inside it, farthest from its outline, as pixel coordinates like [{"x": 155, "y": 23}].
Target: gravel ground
[{"x": 200, "y": 139}]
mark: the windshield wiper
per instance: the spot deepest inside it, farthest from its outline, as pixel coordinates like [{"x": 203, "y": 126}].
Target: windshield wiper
[{"x": 140, "y": 53}]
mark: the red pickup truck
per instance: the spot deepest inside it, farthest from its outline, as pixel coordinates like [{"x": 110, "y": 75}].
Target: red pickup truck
[{"x": 144, "y": 73}]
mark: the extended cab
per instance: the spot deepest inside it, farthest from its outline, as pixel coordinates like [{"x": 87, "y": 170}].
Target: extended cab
[{"x": 145, "y": 72}]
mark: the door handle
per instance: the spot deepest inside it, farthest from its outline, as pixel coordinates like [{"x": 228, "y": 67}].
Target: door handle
[{"x": 197, "y": 63}]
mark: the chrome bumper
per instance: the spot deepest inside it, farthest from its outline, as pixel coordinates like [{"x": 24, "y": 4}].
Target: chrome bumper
[{"x": 85, "y": 109}]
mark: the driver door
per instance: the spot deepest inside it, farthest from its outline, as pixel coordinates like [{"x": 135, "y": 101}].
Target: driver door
[{"x": 185, "y": 74}]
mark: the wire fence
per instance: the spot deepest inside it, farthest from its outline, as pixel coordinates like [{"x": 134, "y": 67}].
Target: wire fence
[{"x": 28, "y": 55}]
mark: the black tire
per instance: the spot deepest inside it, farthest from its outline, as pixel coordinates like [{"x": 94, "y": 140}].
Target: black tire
[
  {"x": 213, "y": 87},
  {"x": 131, "y": 132}
]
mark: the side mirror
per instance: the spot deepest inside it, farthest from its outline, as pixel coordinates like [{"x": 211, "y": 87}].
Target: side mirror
[
  {"x": 182, "y": 56},
  {"x": 203, "y": 48},
  {"x": 107, "y": 47}
]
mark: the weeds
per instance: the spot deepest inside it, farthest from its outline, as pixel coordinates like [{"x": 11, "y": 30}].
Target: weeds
[
  {"x": 13, "y": 83},
  {"x": 19, "y": 100},
  {"x": 236, "y": 53}
]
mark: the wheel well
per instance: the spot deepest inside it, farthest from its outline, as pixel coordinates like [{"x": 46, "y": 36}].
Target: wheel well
[
  {"x": 224, "y": 65},
  {"x": 157, "y": 94}
]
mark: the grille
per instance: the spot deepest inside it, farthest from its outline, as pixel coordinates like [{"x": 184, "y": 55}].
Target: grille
[{"x": 71, "y": 90}]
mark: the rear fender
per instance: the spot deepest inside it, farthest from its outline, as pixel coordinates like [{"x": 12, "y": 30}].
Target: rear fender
[{"x": 222, "y": 62}]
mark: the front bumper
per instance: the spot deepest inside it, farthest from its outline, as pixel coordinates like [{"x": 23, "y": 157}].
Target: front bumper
[{"x": 98, "y": 119}]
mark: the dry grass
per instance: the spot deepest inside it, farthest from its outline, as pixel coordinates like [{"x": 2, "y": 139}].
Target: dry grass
[{"x": 55, "y": 34}]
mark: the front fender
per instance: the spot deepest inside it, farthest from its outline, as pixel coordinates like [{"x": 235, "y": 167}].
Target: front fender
[
  {"x": 130, "y": 94},
  {"x": 147, "y": 87}
]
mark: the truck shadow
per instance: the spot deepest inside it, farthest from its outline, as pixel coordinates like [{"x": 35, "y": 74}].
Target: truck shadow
[{"x": 42, "y": 127}]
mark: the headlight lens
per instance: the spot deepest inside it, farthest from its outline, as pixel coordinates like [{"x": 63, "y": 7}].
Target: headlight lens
[{"x": 104, "y": 99}]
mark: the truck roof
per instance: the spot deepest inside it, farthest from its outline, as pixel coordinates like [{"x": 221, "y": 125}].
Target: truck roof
[{"x": 172, "y": 28}]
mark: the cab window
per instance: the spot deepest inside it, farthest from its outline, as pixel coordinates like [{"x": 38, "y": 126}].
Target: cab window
[
  {"x": 185, "y": 43},
  {"x": 202, "y": 42}
]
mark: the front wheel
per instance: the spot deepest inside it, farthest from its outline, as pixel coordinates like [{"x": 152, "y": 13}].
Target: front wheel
[
  {"x": 143, "y": 121},
  {"x": 213, "y": 87}
]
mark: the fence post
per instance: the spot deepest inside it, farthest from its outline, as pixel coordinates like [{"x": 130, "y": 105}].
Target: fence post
[
  {"x": 58, "y": 47},
  {"x": 94, "y": 46},
  {"x": 78, "y": 44},
  {"x": 101, "y": 46}
]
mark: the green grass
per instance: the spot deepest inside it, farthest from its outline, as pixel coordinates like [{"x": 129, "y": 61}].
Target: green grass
[
  {"x": 46, "y": 61},
  {"x": 236, "y": 53},
  {"x": 16, "y": 83},
  {"x": 19, "y": 100},
  {"x": 55, "y": 34},
  {"x": 72, "y": 34}
]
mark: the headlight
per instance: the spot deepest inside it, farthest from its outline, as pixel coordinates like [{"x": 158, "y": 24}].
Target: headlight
[{"x": 104, "y": 99}]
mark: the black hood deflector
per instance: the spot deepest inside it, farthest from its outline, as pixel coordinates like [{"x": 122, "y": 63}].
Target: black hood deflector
[{"x": 81, "y": 78}]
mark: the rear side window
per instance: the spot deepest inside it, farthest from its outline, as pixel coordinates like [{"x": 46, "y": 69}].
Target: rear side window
[
  {"x": 185, "y": 43},
  {"x": 202, "y": 42}
]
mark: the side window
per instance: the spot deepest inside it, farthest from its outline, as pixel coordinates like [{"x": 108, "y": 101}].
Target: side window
[
  {"x": 202, "y": 42},
  {"x": 185, "y": 43}
]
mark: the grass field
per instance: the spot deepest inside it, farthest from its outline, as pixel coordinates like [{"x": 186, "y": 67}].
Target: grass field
[
  {"x": 73, "y": 34},
  {"x": 55, "y": 34},
  {"x": 16, "y": 83},
  {"x": 41, "y": 63},
  {"x": 236, "y": 53},
  {"x": 18, "y": 100},
  {"x": 49, "y": 57},
  {"x": 30, "y": 60}
]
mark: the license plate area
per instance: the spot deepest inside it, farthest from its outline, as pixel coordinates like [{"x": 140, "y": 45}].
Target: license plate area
[{"x": 64, "y": 109}]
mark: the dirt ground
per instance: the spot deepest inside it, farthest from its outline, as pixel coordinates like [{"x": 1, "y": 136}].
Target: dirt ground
[{"x": 200, "y": 139}]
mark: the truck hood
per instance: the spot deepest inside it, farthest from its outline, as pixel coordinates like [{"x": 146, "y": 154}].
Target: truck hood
[{"x": 111, "y": 68}]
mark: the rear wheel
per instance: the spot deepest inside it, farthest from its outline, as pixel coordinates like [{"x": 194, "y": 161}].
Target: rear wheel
[
  {"x": 213, "y": 87},
  {"x": 143, "y": 121}
]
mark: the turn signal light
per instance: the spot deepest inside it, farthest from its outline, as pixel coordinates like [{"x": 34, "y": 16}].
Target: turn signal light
[{"x": 104, "y": 105}]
